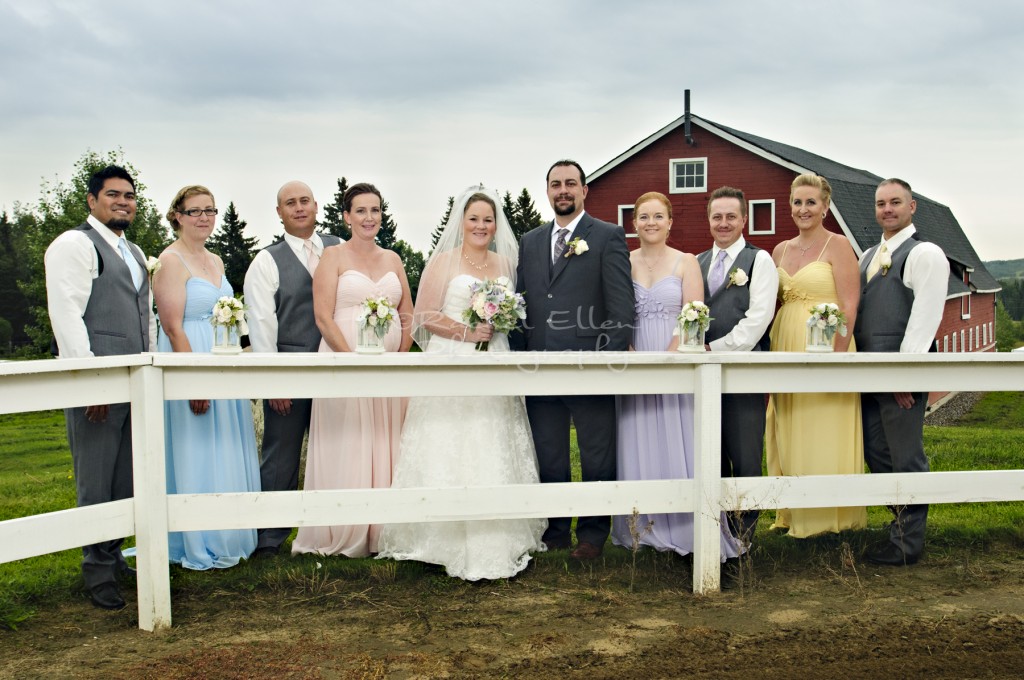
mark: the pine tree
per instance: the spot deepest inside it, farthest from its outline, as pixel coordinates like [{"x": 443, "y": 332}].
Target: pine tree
[
  {"x": 234, "y": 247},
  {"x": 524, "y": 216},
  {"x": 387, "y": 235},
  {"x": 435, "y": 235},
  {"x": 63, "y": 206},
  {"x": 333, "y": 222}
]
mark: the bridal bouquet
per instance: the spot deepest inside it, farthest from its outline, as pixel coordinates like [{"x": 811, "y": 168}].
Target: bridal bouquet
[
  {"x": 229, "y": 312},
  {"x": 378, "y": 314},
  {"x": 827, "y": 318},
  {"x": 496, "y": 303}
]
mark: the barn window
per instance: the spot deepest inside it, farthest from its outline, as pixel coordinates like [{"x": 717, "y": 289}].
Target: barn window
[
  {"x": 762, "y": 216},
  {"x": 687, "y": 175},
  {"x": 965, "y": 306},
  {"x": 945, "y": 343},
  {"x": 626, "y": 220},
  {"x": 954, "y": 341}
]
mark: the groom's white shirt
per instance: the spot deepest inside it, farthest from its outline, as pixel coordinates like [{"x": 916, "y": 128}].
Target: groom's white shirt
[{"x": 554, "y": 233}]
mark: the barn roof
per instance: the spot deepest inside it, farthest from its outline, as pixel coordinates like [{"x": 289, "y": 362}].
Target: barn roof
[{"x": 853, "y": 197}]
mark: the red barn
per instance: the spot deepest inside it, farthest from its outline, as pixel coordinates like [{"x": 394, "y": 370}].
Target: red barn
[{"x": 687, "y": 168}]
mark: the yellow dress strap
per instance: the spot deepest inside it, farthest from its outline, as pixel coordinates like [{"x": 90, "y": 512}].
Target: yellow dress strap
[{"x": 824, "y": 246}]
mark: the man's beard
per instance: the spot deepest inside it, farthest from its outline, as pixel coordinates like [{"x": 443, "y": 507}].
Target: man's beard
[
  {"x": 118, "y": 224},
  {"x": 567, "y": 210}
]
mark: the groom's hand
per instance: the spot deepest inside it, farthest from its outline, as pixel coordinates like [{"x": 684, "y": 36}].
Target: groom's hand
[
  {"x": 904, "y": 400},
  {"x": 98, "y": 413}
]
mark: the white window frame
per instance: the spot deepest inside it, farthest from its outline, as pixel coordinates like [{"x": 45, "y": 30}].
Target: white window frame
[
  {"x": 621, "y": 207},
  {"x": 672, "y": 189},
  {"x": 954, "y": 341},
  {"x": 751, "y": 227},
  {"x": 963, "y": 343},
  {"x": 965, "y": 306},
  {"x": 945, "y": 342}
]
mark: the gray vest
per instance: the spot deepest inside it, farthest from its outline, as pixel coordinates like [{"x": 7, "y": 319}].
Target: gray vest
[
  {"x": 117, "y": 316},
  {"x": 730, "y": 304},
  {"x": 296, "y": 323},
  {"x": 885, "y": 303}
]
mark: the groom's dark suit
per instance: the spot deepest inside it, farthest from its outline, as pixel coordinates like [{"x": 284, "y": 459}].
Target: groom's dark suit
[{"x": 580, "y": 303}]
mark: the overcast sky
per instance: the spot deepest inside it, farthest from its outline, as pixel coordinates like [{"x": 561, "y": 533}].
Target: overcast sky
[{"x": 425, "y": 98}]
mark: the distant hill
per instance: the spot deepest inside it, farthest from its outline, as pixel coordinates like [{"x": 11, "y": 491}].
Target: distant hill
[{"x": 1006, "y": 269}]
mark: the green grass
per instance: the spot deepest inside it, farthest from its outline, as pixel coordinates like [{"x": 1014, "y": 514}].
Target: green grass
[{"x": 35, "y": 477}]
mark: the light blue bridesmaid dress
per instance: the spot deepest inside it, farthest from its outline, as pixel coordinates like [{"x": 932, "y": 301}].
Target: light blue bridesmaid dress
[{"x": 211, "y": 453}]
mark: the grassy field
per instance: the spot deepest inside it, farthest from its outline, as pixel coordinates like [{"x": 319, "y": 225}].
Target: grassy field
[{"x": 35, "y": 477}]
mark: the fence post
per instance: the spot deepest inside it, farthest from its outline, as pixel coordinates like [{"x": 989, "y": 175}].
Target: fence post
[
  {"x": 707, "y": 474},
  {"x": 150, "y": 472}
]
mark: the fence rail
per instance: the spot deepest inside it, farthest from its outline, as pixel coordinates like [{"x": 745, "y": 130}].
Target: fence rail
[{"x": 147, "y": 380}]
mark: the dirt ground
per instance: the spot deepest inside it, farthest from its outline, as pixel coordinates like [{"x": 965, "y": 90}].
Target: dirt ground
[{"x": 947, "y": 617}]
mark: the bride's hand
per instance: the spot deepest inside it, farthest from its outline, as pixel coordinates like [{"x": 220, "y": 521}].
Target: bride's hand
[{"x": 482, "y": 333}]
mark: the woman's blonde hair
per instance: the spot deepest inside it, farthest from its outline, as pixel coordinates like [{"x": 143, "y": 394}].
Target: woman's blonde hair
[{"x": 810, "y": 180}]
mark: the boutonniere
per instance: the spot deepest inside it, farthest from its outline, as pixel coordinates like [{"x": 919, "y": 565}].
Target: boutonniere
[
  {"x": 737, "y": 277},
  {"x": 577, "y": 246},
  {"x": 884, "y": 261},
  {"x": 152, "y": 266}
]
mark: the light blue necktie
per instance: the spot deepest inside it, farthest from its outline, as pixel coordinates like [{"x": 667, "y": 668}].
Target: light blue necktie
[
  {"x": 717, "y": 276},
  {"x": 129, "y": 259}
]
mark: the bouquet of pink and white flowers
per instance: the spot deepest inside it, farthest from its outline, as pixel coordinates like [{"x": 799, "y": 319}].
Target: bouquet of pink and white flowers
[
  {"x": 496, "y": 303},
  {"x": 378, "y": 314},
  {"x": 230, "y": 313}
]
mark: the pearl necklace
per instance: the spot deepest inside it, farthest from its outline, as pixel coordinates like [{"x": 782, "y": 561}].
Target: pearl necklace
[{"x": 474, "y": 265}]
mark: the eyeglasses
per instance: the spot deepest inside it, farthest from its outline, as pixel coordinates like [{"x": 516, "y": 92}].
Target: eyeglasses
[{"x": 196, "y": 212}]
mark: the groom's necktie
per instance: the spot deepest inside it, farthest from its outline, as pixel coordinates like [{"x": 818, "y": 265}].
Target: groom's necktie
[
  {"x": 559, "y": 245},
  {"x": 717, "y": 276},
  {"x": 129, "y": 259}
]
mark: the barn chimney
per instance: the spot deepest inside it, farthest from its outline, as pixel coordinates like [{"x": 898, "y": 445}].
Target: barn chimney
[{"x": 686, "y": 119}]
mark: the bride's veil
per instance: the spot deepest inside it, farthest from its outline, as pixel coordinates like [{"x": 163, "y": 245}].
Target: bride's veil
[{"x": 446, "y": 261}]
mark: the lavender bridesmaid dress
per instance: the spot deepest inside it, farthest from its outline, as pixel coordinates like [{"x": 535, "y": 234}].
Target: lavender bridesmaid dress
[{"x": 655, "y": 431}]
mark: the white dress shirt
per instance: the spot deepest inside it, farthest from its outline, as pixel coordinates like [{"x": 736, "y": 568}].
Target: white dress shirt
[
  {"x": 568, "y": 237},
  {"x": 262, "y": 280},
  {"x": 71, "y": 264},
  {"x": 927, "y": 274},
  {"x": 764, "y": 288}
]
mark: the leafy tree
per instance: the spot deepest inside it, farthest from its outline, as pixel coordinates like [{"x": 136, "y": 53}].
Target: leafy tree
[
  {"x": 234, "y": 247},
  {"x": 333, "y": 222},
  {"x": 14, "y": 308},
  {"x": 435, "y": 235},
  {"x": 62, "y": 206}
]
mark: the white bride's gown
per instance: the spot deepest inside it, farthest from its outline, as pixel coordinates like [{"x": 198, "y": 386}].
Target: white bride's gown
[{"x": 465, "y": 441}]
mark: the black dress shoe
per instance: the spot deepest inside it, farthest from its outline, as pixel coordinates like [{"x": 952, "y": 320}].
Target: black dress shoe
[
  {"x": 890, "y": 555},
  {"x": 586, "y": 551},
  {"x": 127, "y": 572},
  {"x": 557, "y": 545},
  {"x": 264, "y": 553},
  {"x": 107, "y": 596}
]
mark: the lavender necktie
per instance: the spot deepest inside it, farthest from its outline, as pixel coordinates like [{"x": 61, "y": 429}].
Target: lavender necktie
[{"x": 717, "y": 276}]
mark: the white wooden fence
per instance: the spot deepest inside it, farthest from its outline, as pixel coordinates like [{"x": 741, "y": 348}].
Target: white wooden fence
[{"x": 146, "y": 380}]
